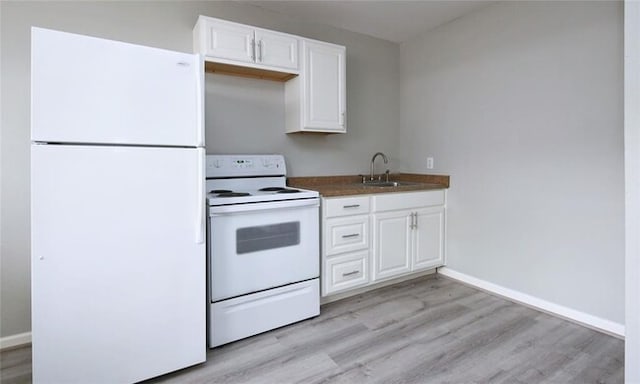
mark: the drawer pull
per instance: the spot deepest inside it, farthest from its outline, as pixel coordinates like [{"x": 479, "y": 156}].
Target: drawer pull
[
  {"x": 350, "y": 273},
  {"x": 350, "y": 235},
  {"x": 351, "y": 206}
]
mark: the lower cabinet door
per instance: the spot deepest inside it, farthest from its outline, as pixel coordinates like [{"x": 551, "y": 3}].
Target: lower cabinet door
[
  {"x": 391, "y": 244},
  {"x": 345, "y": 272},
  {"x": 429, "y": 238}
]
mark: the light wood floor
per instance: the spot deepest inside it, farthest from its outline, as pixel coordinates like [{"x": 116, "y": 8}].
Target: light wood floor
[{"x": 427, "y": 330}]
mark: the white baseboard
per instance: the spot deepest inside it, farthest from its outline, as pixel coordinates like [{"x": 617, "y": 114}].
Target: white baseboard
[
  {"x": 590, "y": 321},
  {"x": 15, "y": 340}
]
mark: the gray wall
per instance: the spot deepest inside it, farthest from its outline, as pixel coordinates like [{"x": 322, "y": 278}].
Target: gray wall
[
  {"x": 242, "y": 115},
  {"x": 522, "y": 104}
]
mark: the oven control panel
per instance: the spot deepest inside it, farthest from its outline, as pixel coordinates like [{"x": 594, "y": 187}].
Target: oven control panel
[{"x": 245, "y": 165}]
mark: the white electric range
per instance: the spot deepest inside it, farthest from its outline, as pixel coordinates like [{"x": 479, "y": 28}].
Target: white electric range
[{"x": 263, "y": 247}]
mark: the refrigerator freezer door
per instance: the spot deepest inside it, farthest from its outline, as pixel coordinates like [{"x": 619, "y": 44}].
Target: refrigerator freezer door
[
  {"x": 118, "y": 273},
  {"x": 90, "y": 90}
]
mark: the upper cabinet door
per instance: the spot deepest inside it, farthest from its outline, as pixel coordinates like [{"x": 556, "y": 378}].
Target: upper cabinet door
[
  {"x": 90, "y": 90},
  {"x": 324, "y": 87},
  {"x": 243, "y": 50},
  {"x": 276, "y": 49},
  {"x": 229, "y": 40}
]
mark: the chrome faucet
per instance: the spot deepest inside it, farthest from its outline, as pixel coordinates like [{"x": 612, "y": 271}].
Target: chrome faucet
[{"x": 373, "y": 159}]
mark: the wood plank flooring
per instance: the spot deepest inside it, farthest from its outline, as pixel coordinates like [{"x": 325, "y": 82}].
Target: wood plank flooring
[{"x": 428, "y": 330}]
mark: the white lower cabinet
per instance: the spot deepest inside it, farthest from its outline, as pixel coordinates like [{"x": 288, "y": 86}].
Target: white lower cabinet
[
  {"x": 345, "y": 243},
  {"x": 407, "y": 236},
  {"x": 392, "y": 244},
  {"x": 428, "y": 242},
  {"x": 408, "y": 233}
]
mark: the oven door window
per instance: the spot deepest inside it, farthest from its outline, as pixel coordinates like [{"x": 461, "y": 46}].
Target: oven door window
[{"x": 272, "y": 236}]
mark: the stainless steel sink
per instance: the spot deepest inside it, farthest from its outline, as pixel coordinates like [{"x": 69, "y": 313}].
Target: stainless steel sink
[{"x": 386, "y": 183}]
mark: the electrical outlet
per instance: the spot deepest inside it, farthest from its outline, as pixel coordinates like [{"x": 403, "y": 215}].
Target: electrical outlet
[{"x": 429, "y": 162}]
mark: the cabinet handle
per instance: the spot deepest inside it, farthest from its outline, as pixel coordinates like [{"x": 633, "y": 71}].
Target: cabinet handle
[
  {"x": 351, "y": 206},
  {"x": 350, "y": 236},
  {"x": 260, "y": 50},
  {"x": 416, "y": 216},
  {"x": 350, "y": 273},
  {"x": 253, "y": 49},
  {"x": 413, "y": 223},
  {"x": 344, "y": 118}
]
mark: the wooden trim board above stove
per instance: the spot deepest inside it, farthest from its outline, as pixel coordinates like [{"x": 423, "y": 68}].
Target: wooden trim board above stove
[{"x": 255, "y": 73}]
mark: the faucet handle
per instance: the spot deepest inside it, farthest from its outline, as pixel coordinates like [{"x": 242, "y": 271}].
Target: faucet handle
[{"x": 386, "y": 176}]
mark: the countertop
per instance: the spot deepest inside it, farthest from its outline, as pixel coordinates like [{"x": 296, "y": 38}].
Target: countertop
[{"x": 352, "y": 185}]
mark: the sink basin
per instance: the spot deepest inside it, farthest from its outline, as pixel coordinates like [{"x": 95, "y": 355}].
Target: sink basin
[{"x": 386, "y": 183}]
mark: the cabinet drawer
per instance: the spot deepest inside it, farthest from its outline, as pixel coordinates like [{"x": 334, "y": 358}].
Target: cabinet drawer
[
  {"x": 346, "y": 234},
  {"x": 408, "y": 200},
  {"x": 346, "y": 206},
  {"x": 345, "y": 272}
]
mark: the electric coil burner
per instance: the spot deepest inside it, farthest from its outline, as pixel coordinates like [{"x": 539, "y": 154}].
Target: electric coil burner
[
  {"x": 263, "y": 247},
  {"x": 233, "y": 194}
]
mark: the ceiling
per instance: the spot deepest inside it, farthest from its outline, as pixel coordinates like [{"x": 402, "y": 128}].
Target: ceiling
[{"x": 393, "y": 20}]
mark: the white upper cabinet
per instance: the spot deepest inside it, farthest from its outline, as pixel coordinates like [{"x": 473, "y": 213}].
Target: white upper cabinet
[
  {"x": 316, "y": 100},
  {"x": 225, "y": 40},
  {"x": 276, "y": 49},
  {"x": 314, "y": 72},
  {"x": 320, "y": 90},
  {"x": 231, "y": 43},
  {"x": 325, "y": 86}
]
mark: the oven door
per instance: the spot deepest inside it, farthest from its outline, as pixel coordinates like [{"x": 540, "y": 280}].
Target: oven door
[{"x": 258, "y": 246}]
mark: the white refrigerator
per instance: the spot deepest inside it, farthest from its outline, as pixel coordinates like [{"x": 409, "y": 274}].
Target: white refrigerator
[{"x": 117, "y": 210}]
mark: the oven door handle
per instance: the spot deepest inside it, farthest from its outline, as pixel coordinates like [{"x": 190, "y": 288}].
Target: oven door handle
[{"x": 271, "y": 205}]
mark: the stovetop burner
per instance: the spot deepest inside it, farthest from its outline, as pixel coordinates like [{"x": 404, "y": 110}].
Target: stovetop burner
[
  {"x": 272, "y": 189},
  {"x": 221, "y": 191},
  {"x": 233, "y": 194},
  {"x": 288, "y": 191}
]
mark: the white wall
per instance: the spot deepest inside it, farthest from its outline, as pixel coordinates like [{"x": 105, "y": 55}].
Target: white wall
[
  {"x": 372, "y": 93},
  {"x": 522, "y": 104}
]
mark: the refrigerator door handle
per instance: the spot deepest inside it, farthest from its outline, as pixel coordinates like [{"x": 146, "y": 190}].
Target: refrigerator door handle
[
  {"x": 200, "y": 225},
  {"x": 200, "y": 98}
]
